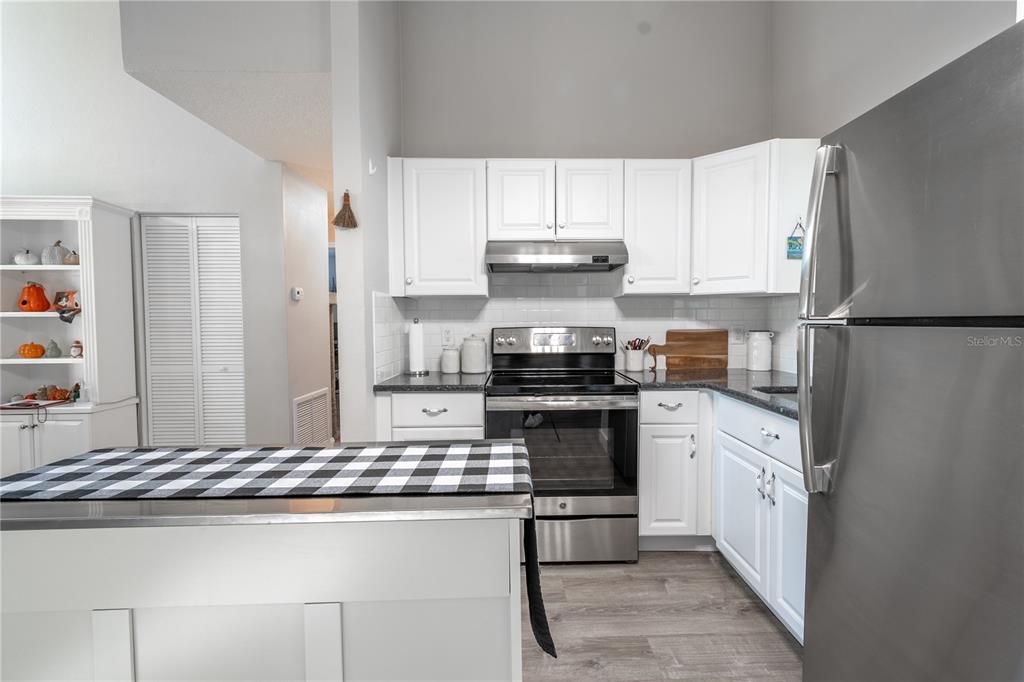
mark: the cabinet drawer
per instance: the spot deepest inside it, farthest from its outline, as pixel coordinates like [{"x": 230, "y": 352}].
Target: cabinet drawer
[
  {"x": 437, "y": 409},
  {"x": 772, "y": 434},
  {"x": 456, "y": 433},
  {"x": 668, "y": 407}
]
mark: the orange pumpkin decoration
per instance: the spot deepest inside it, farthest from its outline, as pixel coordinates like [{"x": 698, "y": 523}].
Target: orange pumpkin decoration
[
  {"x": 33, "y": 299},
  {"x": 31, "y": 350}
]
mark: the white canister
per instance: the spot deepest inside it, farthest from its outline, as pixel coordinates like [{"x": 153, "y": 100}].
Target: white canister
[
  {"x": 635, "y": 360},
  {"x": 449, "y": 361},
  {"x": 759, "y": 350},
  {"x": 474, "y": 355}
]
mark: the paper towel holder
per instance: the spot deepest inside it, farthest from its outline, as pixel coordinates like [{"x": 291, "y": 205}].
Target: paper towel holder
[{"x": 417, "y": 373}]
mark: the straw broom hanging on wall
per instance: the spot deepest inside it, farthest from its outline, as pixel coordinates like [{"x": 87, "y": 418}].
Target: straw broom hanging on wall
[{"x": 345, "y": 217}]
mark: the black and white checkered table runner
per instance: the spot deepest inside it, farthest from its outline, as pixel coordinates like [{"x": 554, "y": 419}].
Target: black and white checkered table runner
[{"x": 182, "y": 473}]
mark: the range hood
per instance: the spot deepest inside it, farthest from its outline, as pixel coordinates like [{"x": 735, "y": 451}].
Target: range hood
[{"x": 555, "y": 256}]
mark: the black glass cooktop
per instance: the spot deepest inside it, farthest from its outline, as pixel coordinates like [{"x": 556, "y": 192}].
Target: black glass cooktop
[{"x": 559, "y": 382}]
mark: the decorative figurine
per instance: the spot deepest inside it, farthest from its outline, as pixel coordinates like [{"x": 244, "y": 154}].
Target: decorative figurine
[
  {"x": 66, "y": 304},
  {"x": 53, "y": 350},
  {"x": 26, "y": 257},
  {"x": 54, "y": 255},
  {"x": 31, "y": 351},
  {"x": 33, "y": 299},
  {"x": 76, "y": 350},
  {"x": 72, "y": 259},
  {"x": 76, "y": 392}
]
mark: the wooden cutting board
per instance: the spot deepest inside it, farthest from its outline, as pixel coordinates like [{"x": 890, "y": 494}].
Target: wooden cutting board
[{"x": 693, "y": 349}]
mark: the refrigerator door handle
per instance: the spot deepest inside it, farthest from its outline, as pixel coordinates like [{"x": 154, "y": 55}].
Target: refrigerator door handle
[
  {"x": 817, "y": 477},
  {"x": 824, "y": 165}
]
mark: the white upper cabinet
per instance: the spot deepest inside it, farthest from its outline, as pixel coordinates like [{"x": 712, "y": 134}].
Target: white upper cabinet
[
  {"x": 746, "y": 202},
  {"x": 589, "y": 199},
  {"x": 730, "y": 221},
  {"x": 445, "y": 227},
  {"x": 657, "y": 227},
  {"x": 520, "y": 199}
]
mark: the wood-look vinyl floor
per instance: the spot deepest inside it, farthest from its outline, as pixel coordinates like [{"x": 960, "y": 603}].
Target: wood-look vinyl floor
[{"x": 671, "y": 616}]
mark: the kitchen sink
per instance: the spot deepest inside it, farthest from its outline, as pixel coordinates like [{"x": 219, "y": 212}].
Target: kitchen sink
[{"x": 775, "y": 389}]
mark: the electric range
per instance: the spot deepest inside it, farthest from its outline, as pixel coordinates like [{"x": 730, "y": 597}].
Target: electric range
[{"x": 557, "y": 388}]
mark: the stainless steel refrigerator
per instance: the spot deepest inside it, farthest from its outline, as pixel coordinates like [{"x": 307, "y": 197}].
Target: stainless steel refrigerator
[{"x": 911, "y": 386}]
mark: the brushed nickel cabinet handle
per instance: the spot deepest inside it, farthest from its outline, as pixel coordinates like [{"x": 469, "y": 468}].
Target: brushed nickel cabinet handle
[
  {"x": 434, "y": 411},
  {"x": 769, "y": 434},
  {"x": 674, "y": 406}
]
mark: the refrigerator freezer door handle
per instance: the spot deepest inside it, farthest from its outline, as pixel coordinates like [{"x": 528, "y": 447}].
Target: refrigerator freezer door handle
[
  {"x": 817, "y": 477},
  {"x": 824, "y": 165}
]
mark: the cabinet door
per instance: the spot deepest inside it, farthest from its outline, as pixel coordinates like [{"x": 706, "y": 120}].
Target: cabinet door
[
  {"x": 445, "y": 227},
  {"x": 730, "y": 221},
  {"x": 787, "y": 546},
  {"x": 15, "y": 444},
  {"x": 742, "y": 509},
  {"x": 520, "y": 200},
  {"x": 667, "y": 480},
  {"x": 657, "y": 227},
  {"x": 589, "y": 199},
  {"x": 60, "y": 437}
]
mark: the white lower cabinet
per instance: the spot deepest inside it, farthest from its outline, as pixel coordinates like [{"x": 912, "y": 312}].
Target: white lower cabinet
[
  {"x": 787, "y": 550},
  {"x": 742, "y": 512},
  {"x": 673, "y": 473},
  {"x": 668, "y": 475},
  {"x": 760, "y": 523},
  {"x": 29, "y": 440},
  {"x": 431, "y": 416},
  {"x": 15, "y": 443}
]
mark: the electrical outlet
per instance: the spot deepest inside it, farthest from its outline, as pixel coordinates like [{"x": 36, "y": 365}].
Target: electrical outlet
[
  {"x": 737, "y": 335},
  {"x": 447, "y": 338}
]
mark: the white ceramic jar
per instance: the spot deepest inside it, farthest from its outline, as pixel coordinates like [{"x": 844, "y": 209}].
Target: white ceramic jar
[
  {"x": 474, "y": 355},
  {"x": 759, "y": 350},
  {"x": 449, "y": 361}
]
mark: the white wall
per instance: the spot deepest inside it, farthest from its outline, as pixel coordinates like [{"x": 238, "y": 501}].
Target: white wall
[
  {"x": 642, "y": 79},
  {"x": 832, "y": 61},
  {"x": 305, "y": 250},
  {"x": 365, "y": 82},
  {"x": 74, "y": 122}
]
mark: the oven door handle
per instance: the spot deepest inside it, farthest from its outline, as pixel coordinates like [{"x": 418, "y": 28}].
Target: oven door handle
[{"x": 542, "y": 403}]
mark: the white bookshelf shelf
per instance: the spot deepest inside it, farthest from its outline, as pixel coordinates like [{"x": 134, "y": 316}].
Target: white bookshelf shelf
[
  {"x": 23, "y": 315},
  {"x": 37, "y": 268},
  {"x": 41, "y": 361}
]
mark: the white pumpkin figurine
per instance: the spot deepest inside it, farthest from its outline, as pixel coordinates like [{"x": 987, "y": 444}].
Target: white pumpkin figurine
[
  {"x": 54, "y": 255},
  {"x": 26, "y": 257}
]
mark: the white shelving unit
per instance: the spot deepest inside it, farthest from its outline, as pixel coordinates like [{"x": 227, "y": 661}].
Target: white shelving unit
[{"x": 107, "y": 414}]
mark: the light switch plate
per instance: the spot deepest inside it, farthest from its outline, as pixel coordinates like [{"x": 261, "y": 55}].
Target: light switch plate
[
  {"x": 737, "y": 335},
  {"x": 297, "y": 293}
]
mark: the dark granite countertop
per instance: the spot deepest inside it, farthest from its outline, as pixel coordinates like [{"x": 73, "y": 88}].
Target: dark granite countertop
[
  {"x": 435, "y": 381},
  {"x": 735, "y": 383}
]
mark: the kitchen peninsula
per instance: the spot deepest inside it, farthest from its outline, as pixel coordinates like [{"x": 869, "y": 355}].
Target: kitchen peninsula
[{"x": 364, "y": 561}]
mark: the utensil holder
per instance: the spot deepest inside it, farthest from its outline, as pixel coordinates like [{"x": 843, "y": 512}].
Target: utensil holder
[{"x": 635, "y": 360}]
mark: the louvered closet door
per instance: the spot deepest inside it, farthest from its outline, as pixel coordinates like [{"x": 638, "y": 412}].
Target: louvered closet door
[
  {"x": 222, "y": 373},
  {"x": 194, "y": 335},
  {"x": 168, "y": 253}
]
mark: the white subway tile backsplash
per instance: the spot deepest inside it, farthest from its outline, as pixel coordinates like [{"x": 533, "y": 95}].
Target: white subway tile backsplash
[{"x": 581, "y": 299}]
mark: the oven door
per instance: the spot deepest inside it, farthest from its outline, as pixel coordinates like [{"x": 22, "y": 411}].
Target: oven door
[{"x": 579, "y": 445}]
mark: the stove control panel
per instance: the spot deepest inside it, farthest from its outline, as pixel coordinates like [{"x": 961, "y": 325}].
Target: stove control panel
[{"x": 528, "y": 340}]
